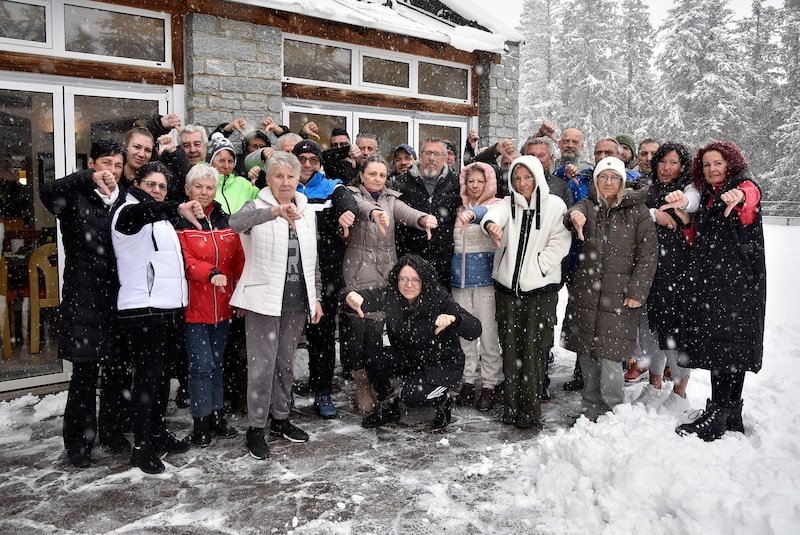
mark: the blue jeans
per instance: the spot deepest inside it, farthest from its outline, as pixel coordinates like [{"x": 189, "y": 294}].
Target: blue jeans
[{"x": 205, "y": 344}]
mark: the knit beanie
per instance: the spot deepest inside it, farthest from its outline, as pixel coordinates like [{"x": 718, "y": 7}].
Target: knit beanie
[
  {"x": 628, "y": 141},
  {"x": 611, "y": 163},
  {"x": 217, "y": 143},
  {"x": 307, "y": 146}
]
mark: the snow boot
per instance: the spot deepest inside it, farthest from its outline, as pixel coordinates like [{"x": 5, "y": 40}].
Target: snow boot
[
  {"x": 734, "y": 421},
  {"x": 710, "y": 426},
  {"x": 221, "y": 427},
  {"x": 386, "y": 412},
  {"x": 466, "y": 396},
  {"x": 201, "y": 435},
  {"x": 364, "y": 399},
  {"x": 147, "y": 461},
  {"x": 485, "y": 401}
]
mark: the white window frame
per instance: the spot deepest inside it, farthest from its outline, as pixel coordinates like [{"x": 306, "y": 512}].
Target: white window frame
[
  {"x": 55, "y": 44},
  {"x": 356, "y": 58}
]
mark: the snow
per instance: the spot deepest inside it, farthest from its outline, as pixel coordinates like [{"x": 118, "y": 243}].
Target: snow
[{"x": 628, "y": 472}]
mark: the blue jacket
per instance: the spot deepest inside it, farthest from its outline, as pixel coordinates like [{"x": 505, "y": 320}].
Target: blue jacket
[{"x": 585, "y": 176}]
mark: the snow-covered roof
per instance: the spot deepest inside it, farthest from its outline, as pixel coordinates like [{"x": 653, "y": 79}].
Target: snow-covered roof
[{"x": 403, "y": 19}]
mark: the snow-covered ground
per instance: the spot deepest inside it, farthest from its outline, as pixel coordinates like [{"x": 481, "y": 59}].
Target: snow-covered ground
[{"x": 627, "y": 473}]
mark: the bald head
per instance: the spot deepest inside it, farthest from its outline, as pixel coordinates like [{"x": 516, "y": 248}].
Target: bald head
[{"x": 571, "y": 143}]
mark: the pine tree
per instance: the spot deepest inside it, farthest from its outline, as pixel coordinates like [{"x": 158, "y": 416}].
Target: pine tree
[{"x": 639, "y": 116}]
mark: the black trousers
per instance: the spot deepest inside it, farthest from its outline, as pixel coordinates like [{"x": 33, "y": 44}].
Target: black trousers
[
  {"x": 153, "y": 342},
  {"x": 321, "y": 339},
  {"x": 726, "y": 387},
  {"x": 417, "y": 387}
]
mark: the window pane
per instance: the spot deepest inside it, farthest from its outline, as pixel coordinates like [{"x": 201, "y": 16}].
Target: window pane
[
  {"x": 449, "y": 133},
  {"x": 325, "y": 123},
  {"x": 106, "y": 117},
  {"x": 390, "y": 134},
  {"x": 316, "y": 62},
  {"x": 22, "y": 21},
  {"x": 385, "y": 72},
  {"x": 95, "y": 31},
  {"x": 443, "y": 81}
]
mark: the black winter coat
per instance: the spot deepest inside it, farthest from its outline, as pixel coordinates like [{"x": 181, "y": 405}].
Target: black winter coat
[
  {"x": 727, "y": 287},
  {"x": 666, "y": 304},
  {"x": 443, "y": 204},
  {"x": 411, "y": 332},
  {"x": 89, "y": 291}
]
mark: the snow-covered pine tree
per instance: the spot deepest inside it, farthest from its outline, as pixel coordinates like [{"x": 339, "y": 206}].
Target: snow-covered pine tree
[{"x": 639, "y": 116}]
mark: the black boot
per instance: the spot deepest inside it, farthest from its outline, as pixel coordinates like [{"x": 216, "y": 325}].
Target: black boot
[
  {"x": 221, "y": 427},
  {"x": 710, "y": 425},
  {"x": 146, "y": 460},
  {"x": 734, "y": 421},
  {"x": 79, "y": 455},
  {"x": 443, "y": 413},
  {"x": 166, "y": 442},
  {"x": 466, "y": 396},
  {"x": 385, "y": 413},
  {"x": 201, "y": 436}
]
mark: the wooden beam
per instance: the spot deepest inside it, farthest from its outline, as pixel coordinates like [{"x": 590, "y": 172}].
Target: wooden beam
[{"x": 98, "y": 70}]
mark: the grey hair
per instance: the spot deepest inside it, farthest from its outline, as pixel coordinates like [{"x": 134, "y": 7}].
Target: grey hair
[
  {"x": 551, "y": 147},
  {"x": 289, "y": 137},
  {"x": 366, "y": 135},
  {"x": 193, "y": 128},
  {"x": 281, "y": 159},
  {"x": 202, "y": 170},
  {"x": 619, "y": 147}
]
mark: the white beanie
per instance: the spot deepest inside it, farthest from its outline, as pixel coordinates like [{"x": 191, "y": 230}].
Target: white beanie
[{"x": 610, "y": 163}]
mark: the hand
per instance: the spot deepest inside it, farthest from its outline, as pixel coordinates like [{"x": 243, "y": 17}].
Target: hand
[
  {"x": 571, "y": 172},
  {"x": 548, "y": 128},
  {"x": 166, "y": 143},
  {"x": 466, "y": 216},
  {"x": 317, "y": 313},
  {"x": 675, "y": 199},
  {"x": 290, "y": 214},
  {"x": 354, "y": 301},
  {"x": 443, "y": 321},
  {"x": 170, "y": 121},
  {"x": 354, "y": 153},
  {"x": 237, "y": 124},
  {"x": 506, "y": 147},
  {"x": 578, "y": 221},
  {"x": 495, "y": 232},
  {"x": 268, "y": 124},
  {"x": 105, "y": 181},
  {"x": 428, "y": 222},
  {"x": 381, "y": 218},
  {"x": 252, "y": 174},
  {"x": 346, "y": 221},
  {"x": 311, "y": 130},
  {"x": 631, "y": 303},
  {"x": 664, "y": 219},
  {"x": 472, "y": 138},
  {"x": 192, "y": 211},
  {"x": 220, "y": 281},
  {"x": 731, "y": 199}
]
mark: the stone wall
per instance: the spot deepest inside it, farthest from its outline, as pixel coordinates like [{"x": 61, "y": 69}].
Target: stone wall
[
  {"x": 498, "y": 97},
  {"x": 232, "y": 70}
]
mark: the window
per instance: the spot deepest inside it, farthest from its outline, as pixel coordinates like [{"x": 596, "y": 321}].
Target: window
[
  {"x": 86, "y": 30},
  {"x": 325, "y": 63}
]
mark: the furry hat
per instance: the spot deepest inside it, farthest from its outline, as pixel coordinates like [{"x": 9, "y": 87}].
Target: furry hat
[{"x": 217, "y": 143}]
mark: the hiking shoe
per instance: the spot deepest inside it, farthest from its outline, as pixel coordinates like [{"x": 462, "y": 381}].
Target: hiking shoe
[
  {"x": 287, "y": 430},
  {"x": 443, "y": 414},
  {"x": 325, "y": 406},
  {"x": 651, "y": 397},
  {"x": 385, "y": 413},
  {"x": 256, "y": 444},
  {"x": 466, "y": 396},
  {"x": 147, "y": 461},
  {"x": 221, "y": 427},
  {"x": 116, "y": 443},
  {"x": 79, "y": 455},
  {"x": 576, "y": 385},
  {"x": 711, "y": 425},
  {"x": 485, "y": 400},
  {"x": 167, "y": 442}
]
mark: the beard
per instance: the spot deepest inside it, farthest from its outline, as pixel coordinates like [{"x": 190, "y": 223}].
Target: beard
[{"x": 430, "y": 173}]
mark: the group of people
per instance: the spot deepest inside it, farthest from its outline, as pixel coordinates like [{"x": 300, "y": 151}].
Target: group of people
[{"x": 184, "y": 258}]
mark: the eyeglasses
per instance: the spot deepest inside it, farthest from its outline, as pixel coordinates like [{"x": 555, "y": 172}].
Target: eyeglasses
[
  {"x": 313, "y": 160},
  {"x": 368, "y": 149},
  {"x": 256, "y": 146},
  {"x": 613, "y": 178},
  {"x": 152, "y": 184},
  {"x": 340, "y": 144},
  {"x": 413, "y": 281},
  {"x": 435, "y": 154}
]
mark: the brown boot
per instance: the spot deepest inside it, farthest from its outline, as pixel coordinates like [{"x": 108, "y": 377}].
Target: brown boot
[{"x": 364, "y": 392}]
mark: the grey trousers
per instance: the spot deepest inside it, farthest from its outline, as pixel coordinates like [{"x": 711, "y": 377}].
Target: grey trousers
[
  {"x": 603, "y": 384},
  {"x": 271, "y": 344}
]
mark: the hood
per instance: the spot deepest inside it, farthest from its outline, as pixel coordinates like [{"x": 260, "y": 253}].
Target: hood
[
  {"x": 535, "y": 167},
  {"x": 489, "y": 192}
]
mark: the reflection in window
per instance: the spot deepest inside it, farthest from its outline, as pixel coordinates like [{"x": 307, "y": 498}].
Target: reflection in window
[
  {"x": 390, "y": 134},
  {"x": 22, "y": 21},
  {"x": 122, "y": 35},
  {"x": 311, "y": 61},
  {"x": 443, "y": 81},
  {"x": 385, "y": 72}
]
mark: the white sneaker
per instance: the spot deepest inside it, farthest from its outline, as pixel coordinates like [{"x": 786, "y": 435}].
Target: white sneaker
[
  {"x": 677, "y": 407},
  {"x": 651, "y": 397}
]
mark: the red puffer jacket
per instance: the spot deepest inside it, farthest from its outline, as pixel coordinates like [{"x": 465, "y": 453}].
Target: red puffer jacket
[{"x": 215, "y": 249}]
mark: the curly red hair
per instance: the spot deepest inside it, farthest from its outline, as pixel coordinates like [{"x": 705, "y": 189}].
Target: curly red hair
[{"x": 732, "y": 155}]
